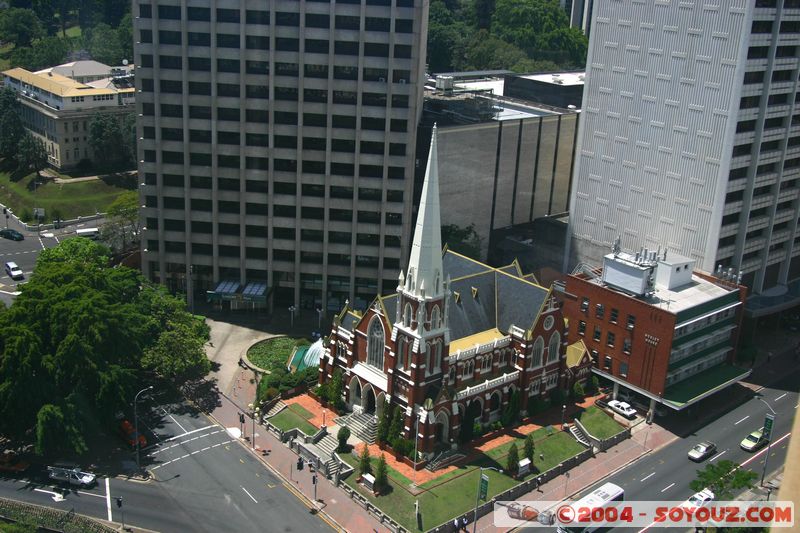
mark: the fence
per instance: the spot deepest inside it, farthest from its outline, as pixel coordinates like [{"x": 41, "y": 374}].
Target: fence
[
  {"x": 61, "y": 223},
  {"x": 50, "y": 519}
]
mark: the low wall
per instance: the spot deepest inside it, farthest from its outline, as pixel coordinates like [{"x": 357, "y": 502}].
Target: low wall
[
  {"x": 61, "y": 223},
  {"x": 49, "y": 519}
]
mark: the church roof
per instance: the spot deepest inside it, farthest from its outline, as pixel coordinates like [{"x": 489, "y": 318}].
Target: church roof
[{"x": 484, "y": 298}]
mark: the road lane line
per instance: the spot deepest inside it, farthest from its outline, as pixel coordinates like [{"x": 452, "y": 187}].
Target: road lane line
[
  {"x": 185, "y": 456},
  {"x": 179, "y": 424},
  {"x": 180, "y": 436},
  {"x": 720, "y": 454},
  {"x": 668, "y": 487},
  {"x": 91, "y": 494},
  {"x": 648, "y": 477},
  {"x": 781, "y": 396},
  {"x": 196, "y": 451},
  {"x": 251, "y": 496},
  {"x": 108, "y": 499},
  {"x": 742, "y": 420}
]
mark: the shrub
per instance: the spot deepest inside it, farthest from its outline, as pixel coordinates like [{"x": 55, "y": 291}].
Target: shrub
[
  {"x": 404, "y": 447},
  {"x": 268, "y": 394},
  {"x": 335, "y": 389},
  {"x": 477, "y": 429},
  {"x": 342, "y": 436},
  {"x": 25, "y": 215},
  {"x": 512, "y": 459},
  {"x": 381, "y": 477},
  {"x": 530, "y": 446},
  {"x": 511, "y": 414},
  {"x": 396, "y": 425},
  {"x": 383, "y": 425},
  {"x": 364, "y": 466}
]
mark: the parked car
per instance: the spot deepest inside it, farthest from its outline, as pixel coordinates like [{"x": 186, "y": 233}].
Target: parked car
[
  {"x": 71, "y": 476},
  {"x": 702, "y": 451},
  {"x": 13, "y": 271},
  {"x": 10, "y": 462},
  {"x": 754, "y": 441},
  {"x": 622, "y": 408},
  {"x": 11, "y": 234},
  {"x": 699, "y": 499}
]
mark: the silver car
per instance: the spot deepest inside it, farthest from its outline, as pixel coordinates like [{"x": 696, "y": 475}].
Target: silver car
[{"x": 702, "y": 451}]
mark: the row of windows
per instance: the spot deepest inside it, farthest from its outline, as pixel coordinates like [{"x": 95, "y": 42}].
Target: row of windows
[
  {"x": 281, "y": 93},
  {"x": 600, "y": 312},
  {"x": 282, "y": 44},
  {"x": 251, "y": 16},
  {"x": 762, "y": 52},
  {"x": 765, "y": 26}
]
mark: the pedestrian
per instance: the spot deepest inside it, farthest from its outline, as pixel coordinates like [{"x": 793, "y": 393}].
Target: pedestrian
[
  {"x": 455, "y": 524},
  {"x": 464, "y": 523}
]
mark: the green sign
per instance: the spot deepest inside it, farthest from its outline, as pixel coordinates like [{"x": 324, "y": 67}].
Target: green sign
[
  {"x": 768, "y": 425},
  {"x": 484, "y": 492}
]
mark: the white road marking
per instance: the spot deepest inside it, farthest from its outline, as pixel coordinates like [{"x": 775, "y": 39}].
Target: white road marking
[
  {"x": 648, "y": 477},
  {"x": 668, "y": 487},
  {"x": 742, "y": 420},
  {"x": 179, "y": 424},
  {"x": 781, "y": 396},
  {"x": 91, "y": 494},
  {"x": 181, "y": 436},
  {"x": 720, "y": 454},
  {"x": 108, "y": 500},
  {"x": 251, "y": 496},
  {"x": 57, "y": 497},
  {"x": 189, "y": 454}
]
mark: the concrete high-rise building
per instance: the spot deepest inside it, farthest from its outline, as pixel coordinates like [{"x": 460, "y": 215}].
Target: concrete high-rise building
[
  {"x": 277, "y": 145},
  {"x": 689, "y": 139}
]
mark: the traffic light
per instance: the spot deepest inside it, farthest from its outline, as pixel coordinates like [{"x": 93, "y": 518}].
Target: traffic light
[
  {"x": 241, "y": 418},
  {"x": 314, "y": 479},
  {"x": 119, "y": 501}
]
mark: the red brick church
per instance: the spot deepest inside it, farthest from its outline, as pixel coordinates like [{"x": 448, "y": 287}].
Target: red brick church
[{"x": 454, "y": 342}]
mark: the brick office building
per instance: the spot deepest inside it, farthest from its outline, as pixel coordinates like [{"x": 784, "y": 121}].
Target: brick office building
[
  {"x": 657, "y": 327},
  {"x": 453, "y": 343}
]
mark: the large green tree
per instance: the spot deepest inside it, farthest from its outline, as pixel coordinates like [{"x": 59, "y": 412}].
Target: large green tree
[
  {"x": 76, "y": 340},
  {"x": 19, "y": 26},
  {"x": 11, "y": 133},
  {"x": 723, "y": 478},
  {"x": 31, "y": 154},
  {"x": 122, "y": 221},
  {"x": 44, "y": 52},
  {"x": 107, "y": 140}
]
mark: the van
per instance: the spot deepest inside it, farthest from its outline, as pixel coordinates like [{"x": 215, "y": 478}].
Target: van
[
  {"x": 13, "y": 271},
  {"x": 90, "y": 233},
  {"x": 71, "y": 476}
]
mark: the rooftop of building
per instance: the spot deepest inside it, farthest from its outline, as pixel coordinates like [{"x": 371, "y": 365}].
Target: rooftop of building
[
  {"x": 60, "y": 85},
  {"x": 78, "y": 69},
  {"x": 557, "y": 78}
]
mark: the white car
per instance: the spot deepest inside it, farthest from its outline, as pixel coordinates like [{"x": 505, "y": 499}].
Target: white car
[
  {"x": 622, "y": 408},
  {"x": 699, "y": 499},
  {"x": 13, "y": 271},
  {"x": 71, "y": 476}
]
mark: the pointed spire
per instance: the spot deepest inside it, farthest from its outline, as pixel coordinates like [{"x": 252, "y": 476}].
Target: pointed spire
[{"x": 426, "y": 249}]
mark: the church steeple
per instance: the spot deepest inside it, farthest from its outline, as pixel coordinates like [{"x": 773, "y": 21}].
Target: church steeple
[{"x": 424, "y": 274}]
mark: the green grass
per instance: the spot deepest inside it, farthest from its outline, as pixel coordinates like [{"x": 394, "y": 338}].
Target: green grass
[
  {"x": 272, "y": 354},
  {"x": 393, "y": 474},
  {"x": 300, "y": 410},
  {"x": 288, "y": 419},
  {"x": 598, "y": 423},
  {"x": 67, "y": 200},
  {"x": 453, "y": 493}
]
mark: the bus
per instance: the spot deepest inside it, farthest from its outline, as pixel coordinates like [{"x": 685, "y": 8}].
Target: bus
[{"x": 599, "y": 498}]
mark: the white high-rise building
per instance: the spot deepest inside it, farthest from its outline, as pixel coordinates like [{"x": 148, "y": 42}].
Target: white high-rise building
[
  {"x": 277, "y": 144},
  {"x": 688, "y": 137}
]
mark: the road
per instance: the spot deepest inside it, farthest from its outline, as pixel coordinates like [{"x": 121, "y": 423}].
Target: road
[
  {"x": 203, "y": 480},
  {"x": 665, "y": 474}
]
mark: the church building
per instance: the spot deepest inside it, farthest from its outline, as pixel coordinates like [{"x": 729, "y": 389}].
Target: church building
[{"x": 454, "y": 342}]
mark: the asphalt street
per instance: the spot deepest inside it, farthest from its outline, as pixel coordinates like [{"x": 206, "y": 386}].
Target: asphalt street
[{"x": 665, "y": 474}]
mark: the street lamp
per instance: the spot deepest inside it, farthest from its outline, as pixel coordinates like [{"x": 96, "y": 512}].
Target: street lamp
[
  {"x": 255, "y": 412},
  {"x": 292, "y": 309},
  {"x": 319, "y": 319},
  {"x": 416, "y": 438},
  {"x": 136, "y": 423},
  {"x": 769, "y": 442},
  {"x": 563, "y": 415},
  {"x": 478, "y": 495}
]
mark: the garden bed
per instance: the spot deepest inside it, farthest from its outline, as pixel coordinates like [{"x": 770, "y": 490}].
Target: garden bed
[{"x": 272, "y": 354}]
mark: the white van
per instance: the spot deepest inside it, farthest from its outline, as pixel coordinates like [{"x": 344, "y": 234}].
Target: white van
[
  {"x": 13, "y": 271},
  {"x": 90, "y": 233}
]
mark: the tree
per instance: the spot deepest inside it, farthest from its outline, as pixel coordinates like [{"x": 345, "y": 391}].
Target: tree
[
  {"x": 462, "y": 240},
  {"x": 527, "y": 23},
  {"x": 364, "y": 466},
  {"x": 20, "y": 26},
  {"x": 106, "y": 140},
  {"x": 396, "y": 427},
  {"x": 177, "y": 353},
  {"x": 342, "y": 436},
  {"x": 31, "y": 154},
  {"x": 125, "y": 36},
  {"x": 44, "y": 52},
  {"x": 11, "y": 133},
  {"x": 512, "y": 459},
  {"x": 381, "y": 477},
  {"x": 723, "y": 478},
  {"x": 530, "y": 446},
  {"x": 90, "y": 255},
  {"x": 336, "y": 388},
  {"x": 383, "y": 425},
  {"x": 104, "y": 44},
  {"x": 511, "y": 413},
  {"x": 577, "y": 391},
  {"x": 122, "y": 220}
]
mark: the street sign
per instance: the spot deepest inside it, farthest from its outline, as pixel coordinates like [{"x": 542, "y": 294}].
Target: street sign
[
  {"x": 768, "y": 425},
  {"x": 484, "y": 492}
]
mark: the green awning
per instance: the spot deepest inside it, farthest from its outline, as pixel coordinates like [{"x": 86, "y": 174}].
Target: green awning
[{"x": 704, "y": 384}]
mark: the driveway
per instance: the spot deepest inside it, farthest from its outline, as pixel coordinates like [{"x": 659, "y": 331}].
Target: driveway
[{"x": 229, "y": 342}]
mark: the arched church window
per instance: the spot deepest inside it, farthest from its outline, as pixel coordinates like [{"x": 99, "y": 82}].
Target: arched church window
[
  {"x": 375, "y": 344},
  {"x": 554, "y": 347},
  {"x": 537, "y": 352}
]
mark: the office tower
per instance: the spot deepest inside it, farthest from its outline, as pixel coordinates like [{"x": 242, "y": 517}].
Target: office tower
[
  {"x": 276, "y": 146},
  {"x": 688, "y": 136}
]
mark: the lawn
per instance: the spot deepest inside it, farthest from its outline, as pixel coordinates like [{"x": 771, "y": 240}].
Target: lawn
[
  {"x": 289, "y": 419},
  {"x": 300, "y": 410},
  {"x": 453, "y": 493},
  {"x": 272, "y": 354},
  {"x": 67, "y": 201},
  {"x": 598, "y": 423}
]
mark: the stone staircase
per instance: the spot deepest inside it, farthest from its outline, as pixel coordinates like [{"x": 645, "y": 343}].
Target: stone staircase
[
  {"x": 277, "y": 408},
  {"x": 444, "y": 459},
  {"x": 328, "y": 445},
  {"x": 579, "y": 435},
  {"x": 363, "y": 426}
]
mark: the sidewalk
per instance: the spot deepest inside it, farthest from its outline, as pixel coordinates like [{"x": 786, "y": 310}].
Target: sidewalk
[{"x": 335, "y": 506}]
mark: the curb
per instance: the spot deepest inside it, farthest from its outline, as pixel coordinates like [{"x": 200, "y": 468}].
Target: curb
[{"x": 286, "y": 483}]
